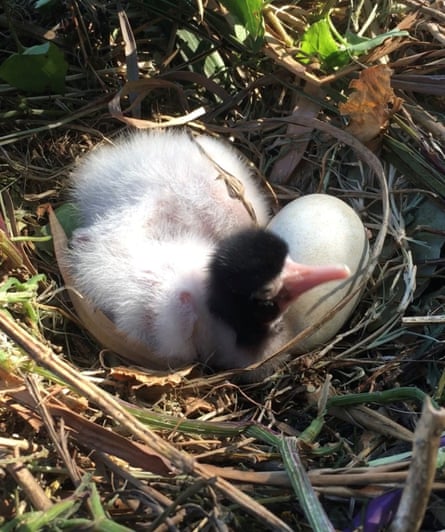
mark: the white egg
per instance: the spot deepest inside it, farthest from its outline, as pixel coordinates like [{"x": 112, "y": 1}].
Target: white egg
[{"x": 321, "y": 229}]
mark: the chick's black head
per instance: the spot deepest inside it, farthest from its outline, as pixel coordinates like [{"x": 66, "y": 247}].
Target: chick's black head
[
  {"x": 240, "y": 272},
  {"x": 246, "y": 261}
]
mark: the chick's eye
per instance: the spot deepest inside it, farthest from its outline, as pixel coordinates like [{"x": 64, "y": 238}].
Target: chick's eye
[
  {"x": 263, "y": 294},
  {"x": 266, "y": 310},
  {"x": 268, "y": 291}
]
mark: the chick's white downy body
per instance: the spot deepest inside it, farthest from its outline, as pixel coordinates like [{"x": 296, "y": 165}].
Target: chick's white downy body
[{"x": 153, "y": 206}]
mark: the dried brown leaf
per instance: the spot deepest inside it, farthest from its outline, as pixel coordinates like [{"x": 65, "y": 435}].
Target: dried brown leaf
[
  {"x": 95, "y": 437},
  {"x": 372, "y": 103},
  {"x": 197, "y": 404},
  {"x": 160, "y": 379}
]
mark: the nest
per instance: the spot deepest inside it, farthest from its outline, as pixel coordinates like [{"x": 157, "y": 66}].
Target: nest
[{"x": 188, "y": 450}]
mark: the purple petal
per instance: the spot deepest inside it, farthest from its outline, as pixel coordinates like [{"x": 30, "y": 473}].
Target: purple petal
[{"x": 378, "y": 513}]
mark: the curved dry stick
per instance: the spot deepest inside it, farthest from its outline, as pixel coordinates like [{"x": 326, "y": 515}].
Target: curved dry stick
[
  {"x": 375, "y": 165},
  {"x": 139, "y": 89}
]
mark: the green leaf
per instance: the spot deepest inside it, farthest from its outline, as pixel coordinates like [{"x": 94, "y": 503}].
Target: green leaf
[
  {"x": 318, "y": 41},
  {"x": 68, "y": 216},
  {"x": 36, "y": 69},
  {"x": 192, "y": 45},
  {"x": 321, "y": 40},
  {"x": 358, "y": 45},
  {"x": 354, "y": 46},
  {"x": 249, "y": 26}
]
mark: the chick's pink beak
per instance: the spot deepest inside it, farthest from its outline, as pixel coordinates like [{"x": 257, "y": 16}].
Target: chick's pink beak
[{"x": 298, "y": 278}]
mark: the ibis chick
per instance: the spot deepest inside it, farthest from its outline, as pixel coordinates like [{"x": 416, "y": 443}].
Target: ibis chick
[{"x": 173, "y": 250}]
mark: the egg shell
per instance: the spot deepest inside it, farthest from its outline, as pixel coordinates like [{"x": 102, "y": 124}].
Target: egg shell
[{"x": 321, "y": 229}]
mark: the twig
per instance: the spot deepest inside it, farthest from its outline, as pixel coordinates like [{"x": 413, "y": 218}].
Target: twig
[
  {"x": 44, "y": 356},
  {"x": 421, "y": 473},
  {"x": 34, "y": 493}
]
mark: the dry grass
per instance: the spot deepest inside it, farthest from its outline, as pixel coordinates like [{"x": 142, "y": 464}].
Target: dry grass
[{"x": 91, "y": 443}]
